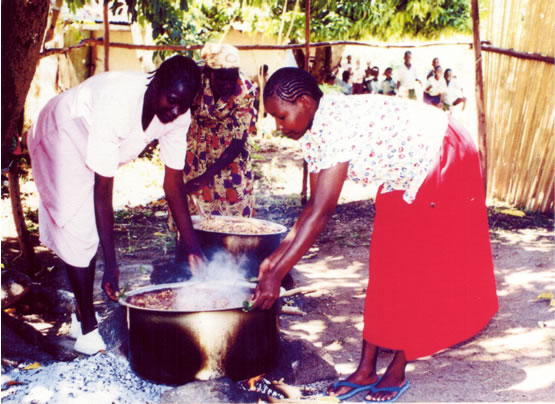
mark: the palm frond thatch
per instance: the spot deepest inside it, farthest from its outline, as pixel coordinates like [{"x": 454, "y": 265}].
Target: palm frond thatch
[{"x": 520, "y": 104}]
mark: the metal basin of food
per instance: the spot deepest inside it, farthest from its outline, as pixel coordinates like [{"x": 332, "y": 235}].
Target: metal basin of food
[
  {"x": 254, "y": 246},
  {"x": 201, "y": 341}
]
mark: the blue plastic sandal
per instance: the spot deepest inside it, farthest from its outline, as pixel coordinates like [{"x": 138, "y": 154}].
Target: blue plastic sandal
[
  {"x": 355, "y": 388},
  {"x": 399, "y": 390}
]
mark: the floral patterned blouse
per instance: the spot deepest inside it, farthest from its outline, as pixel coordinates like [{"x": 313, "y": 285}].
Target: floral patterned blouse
[
  {"x": 214, "y": 125},
  {"x": 386, "y": 140}
]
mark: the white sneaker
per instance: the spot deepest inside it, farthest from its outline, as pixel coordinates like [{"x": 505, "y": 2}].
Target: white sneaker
[
  {"x": 75, "y": 330},
  {"x": 90, "y": 343}
]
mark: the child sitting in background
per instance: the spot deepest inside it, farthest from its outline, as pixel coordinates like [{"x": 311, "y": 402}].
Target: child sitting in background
[{"x": 435, "y": 88}]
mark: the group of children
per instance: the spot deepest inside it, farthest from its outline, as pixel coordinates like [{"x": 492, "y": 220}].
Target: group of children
[{"x": 440, "y": 88}]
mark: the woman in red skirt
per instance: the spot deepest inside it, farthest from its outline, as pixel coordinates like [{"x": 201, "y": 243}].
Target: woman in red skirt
[{"x": 431, "y": 282}]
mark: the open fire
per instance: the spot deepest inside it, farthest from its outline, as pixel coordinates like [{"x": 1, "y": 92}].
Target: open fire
[{"x": 262, "y": 386}]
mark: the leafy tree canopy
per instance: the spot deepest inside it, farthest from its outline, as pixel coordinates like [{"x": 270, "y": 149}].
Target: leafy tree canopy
[{"x": 196, "y": 21}]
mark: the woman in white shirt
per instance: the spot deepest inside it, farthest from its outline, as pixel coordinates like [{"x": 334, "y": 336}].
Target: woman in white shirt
[{"x": 76, "y": 145}]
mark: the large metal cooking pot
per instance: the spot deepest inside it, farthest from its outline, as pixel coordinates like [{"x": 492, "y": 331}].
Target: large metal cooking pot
[
  {"x": 254, "y": 247},
  {"x": 175, "y": 347}
]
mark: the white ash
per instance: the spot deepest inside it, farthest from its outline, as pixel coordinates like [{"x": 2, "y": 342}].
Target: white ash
[{"x": 98, "y": 379}]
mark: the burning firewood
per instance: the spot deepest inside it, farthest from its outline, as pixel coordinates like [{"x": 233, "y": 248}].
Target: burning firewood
[
  {"x": 303, "y": 289},
  {"x": 292, "y": 310},
  {"x": 262, "y": 386}
]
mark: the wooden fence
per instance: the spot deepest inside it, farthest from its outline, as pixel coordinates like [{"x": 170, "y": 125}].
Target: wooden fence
[{"x": 520, "y": 103}]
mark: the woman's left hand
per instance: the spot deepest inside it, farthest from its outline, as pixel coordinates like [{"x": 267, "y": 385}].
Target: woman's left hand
[
  {"x": 195, "y": 184},
  {"x": 196, "y": 263}
]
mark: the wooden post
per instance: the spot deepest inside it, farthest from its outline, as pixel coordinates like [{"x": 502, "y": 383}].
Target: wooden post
[
  {"x": 480, "y": 108},
  {"x": 23, "y": 236},
  {"x": 307, "y": 68},
  {"x": 307, "y": 36},
  {"x": 106, "y": 37}
]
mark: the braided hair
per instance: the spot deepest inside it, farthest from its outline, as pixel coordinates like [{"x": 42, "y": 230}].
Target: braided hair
[
  {"x": 290, "y": 83},
  {"x": 177, "y": 69}
]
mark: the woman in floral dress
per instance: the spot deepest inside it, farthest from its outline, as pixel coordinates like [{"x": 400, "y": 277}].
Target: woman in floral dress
[
  {"x": 218, "y": 167},
  {"x": 431, "y": 281}
]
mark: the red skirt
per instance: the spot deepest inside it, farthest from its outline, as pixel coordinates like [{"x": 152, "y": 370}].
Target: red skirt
[{"x": 431, "y": 282}]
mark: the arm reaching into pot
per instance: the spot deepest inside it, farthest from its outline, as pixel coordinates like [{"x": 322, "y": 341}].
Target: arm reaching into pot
[
  {"x": 174, "y": 188},
  {"x": 325, "y": 189}
]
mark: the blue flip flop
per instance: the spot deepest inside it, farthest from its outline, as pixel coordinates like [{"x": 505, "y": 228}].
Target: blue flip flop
[
  {"x": 399, "y": 390},
  {"x": 355, "y": 388}
]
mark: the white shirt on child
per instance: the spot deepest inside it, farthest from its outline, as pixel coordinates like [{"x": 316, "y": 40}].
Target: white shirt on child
[{"x": 437, "y": 86}]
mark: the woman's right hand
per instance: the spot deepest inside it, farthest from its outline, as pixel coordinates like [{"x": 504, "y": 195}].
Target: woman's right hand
[
  {"x": 110, "y": 282},
  {"x": 268, "y": 287}
]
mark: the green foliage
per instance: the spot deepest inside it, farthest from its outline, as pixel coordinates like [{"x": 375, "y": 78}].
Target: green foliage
[
  {"x": 197, "y": 21},
  {"x": 389, "y": 19}
]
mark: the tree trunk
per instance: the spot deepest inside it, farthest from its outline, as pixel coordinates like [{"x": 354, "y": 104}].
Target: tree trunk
[{"x": 23, "y": 27}]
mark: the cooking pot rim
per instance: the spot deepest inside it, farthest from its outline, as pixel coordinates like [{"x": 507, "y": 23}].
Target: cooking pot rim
[
  {"x": 280, "y": 229},
  {"x": 151, "y": 288}
]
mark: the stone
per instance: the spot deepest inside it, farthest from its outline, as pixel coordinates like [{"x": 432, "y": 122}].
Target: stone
[
  {"x": 15, "y": 286},
  {"x": 113, "y": 330},
  {"x": 301, "y": 363}
]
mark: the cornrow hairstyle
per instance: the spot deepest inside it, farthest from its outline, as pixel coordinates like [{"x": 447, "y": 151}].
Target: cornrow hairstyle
[
  {"x": 290, "y": 83},
  {"x": 177, "y": 69}
]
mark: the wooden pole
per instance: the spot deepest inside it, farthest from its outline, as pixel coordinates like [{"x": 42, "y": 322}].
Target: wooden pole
[
  {"x": 307, "y": 68},
  {"x": 23, "y": 236},
  {"x": 519, "y": 54},
  {"x": 482, "y": 141},
  {"x": 307, "y": 36},
  {"x": 106, "y": 38},
  {"x": 181, "y": 48}
]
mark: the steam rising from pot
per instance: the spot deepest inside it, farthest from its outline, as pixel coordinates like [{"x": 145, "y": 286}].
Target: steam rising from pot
[
  {"x": 222, "y": 284},
  {"x": 223, "y": 266}
]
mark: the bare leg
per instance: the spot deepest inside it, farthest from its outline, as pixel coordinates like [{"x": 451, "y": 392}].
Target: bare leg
[
  {"x": 394, "y": 376},
  {"x": 82, "y": 283},
  {"x": 366, "y": 371}
]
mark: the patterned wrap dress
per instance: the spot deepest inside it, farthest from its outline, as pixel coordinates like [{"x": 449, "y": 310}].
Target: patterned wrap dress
[
  {"x": 431, "y": 281},
  {"x": 214, "y": 125}
]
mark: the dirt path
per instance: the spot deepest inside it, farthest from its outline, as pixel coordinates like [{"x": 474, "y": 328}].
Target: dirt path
[{"x": 511, "y": 360}]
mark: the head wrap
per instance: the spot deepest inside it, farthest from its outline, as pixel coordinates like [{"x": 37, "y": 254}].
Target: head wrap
[{"x": 220, "y": 56}]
